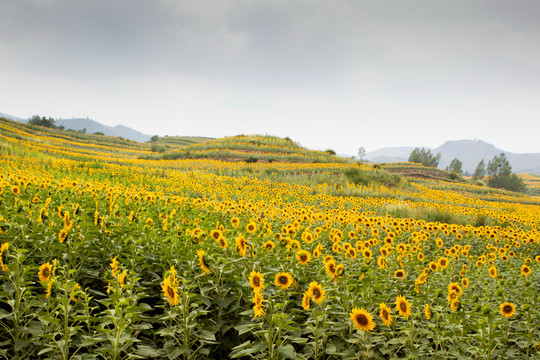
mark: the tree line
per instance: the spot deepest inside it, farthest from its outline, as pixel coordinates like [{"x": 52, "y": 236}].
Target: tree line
[{"x": 498, "y": 170}]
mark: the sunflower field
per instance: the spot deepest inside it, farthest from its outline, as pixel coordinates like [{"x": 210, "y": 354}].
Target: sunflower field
[{"x": 106, "y": 253}]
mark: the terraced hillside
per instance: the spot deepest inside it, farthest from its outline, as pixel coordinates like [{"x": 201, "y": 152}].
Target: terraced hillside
[{"x": 253, "y": 148}]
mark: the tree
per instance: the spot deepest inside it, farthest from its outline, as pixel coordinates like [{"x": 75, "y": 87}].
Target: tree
[
  {"x": 500, "y": 175},
  {"x": 480, "y": 170},
  {"x": 42, "y": 121},
  {"x": 498, "y": 167},
  {"x": 361, "y": 153},
  {"x": 456, "y": 166},
  {"x": 424, "y": 157}
]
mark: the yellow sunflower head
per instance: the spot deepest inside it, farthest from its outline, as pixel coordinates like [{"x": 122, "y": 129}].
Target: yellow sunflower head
[
  {"x": 256, "y": 280},
  {"x": 507, "y": 309},
  {"x": 45, "y": 272},
  {"x": 403, "y": 307},
  {"x": 400, "y": 274},
  {"x": 362, "y": 319},
  {"x": 303, "y": 257},
  {"x": 170, "y": 291},
  {"x": 525, "y": 270},
  {"x": 385, "y": 314},
  {"x": 306, "y": 300},
  {"x": 316, "y": 292},
  {"x": 283, "y": 280}
]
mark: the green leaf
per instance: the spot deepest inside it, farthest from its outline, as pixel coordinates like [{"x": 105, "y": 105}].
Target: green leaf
[
  {"x": 287, "y": 351},
  {"x": 148, "y": 351}
]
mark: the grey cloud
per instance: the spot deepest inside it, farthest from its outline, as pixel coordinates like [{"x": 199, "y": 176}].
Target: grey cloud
[{"x": 292, "y": 44}]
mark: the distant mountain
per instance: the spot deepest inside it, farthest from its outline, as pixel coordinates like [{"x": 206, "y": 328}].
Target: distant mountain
[
  {"x": 11, "y": 117},
  {"x": 390, "y": 154},
  {"x": 93, "y": 126},
  {"x": 470, "y": 152}
]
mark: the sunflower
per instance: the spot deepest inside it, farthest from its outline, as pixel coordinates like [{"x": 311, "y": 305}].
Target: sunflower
[
  {"x": 258, "y": 297},
  {"x": 328, "y": 258},
  {"x": 381, "y": 261},
  {"x": 525, "y": 270},
  {"x": 3, "y": 248},
  {"x": 400, "y": 274},
  {"x": 251, "y": 227},
  {"x": 507, "y": 309},
  {"x": 114, "y": 266},
  {"x": 421, "y": 278},
  {"x": 283, "y": 280},
  {"x": 15, "y": 190},
  {"x": 427, "y": 312},
  {"x": 454, "y": 287},
  {"x": 303, "y": 257},
  {"x": 362, "y": 320},
  {"x": 443, "y": 263},
  {"x": 62, "y": 236},
  {"x": 197, "y": 232},
  {"x": 170, "y": 291},
  {"x": 222, "y": 242},
  {"x": 403, "y": 306},
  {"x": 306, "y": 300},
  {"x": 122, "y": 278},
  {"x": 316, "y": 292},
  {"x": 74, "y": 291},
  {"x": 385, "y": 314},
  {"x": 258, "y": 311},
  {"x": 340, "y": 269},
  {"x": 452, "y": 296},
  {"x": 493, "y": 272},
  {"x": 433, "y": 266},
  {"x": 256, "y": 280},
  {"x": 44, "y": 272},
  {"x": 465, "y": 282},
  {"x": 216, "y": 234},
  {"x": 200, "y": 254},
  {"x": 235, "y": 221},
  {"x": 269, "y": 245},
  {"x": 330, "y": 267},
  {"x": 241, "y": 245},
  {"x": 454, "y": 305},
  {"x": 367, "y": 253},
  {"x": 318, "y": 251}
]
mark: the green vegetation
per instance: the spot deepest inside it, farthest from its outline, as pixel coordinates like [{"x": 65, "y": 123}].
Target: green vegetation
[
  {"x": 500, "y": 175},
  {"x": 425, "y": 157},
  {"x": 250, "y": 148}
]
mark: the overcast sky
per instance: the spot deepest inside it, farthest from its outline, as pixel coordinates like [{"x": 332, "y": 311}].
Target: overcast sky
[{"x": 328, "y": 74}]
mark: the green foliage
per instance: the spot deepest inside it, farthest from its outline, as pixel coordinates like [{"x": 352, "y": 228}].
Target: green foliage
[
  {"x": 330, "y": 151},
  {"x": 456, "y": 166},
  {"x": 500, "y": 175},
  {"x": 425, "y": 157},
  {"x": 42, "y": 121},
  {"x": 251, "y": 160},
  {"x": 158, "y": 148},
  {"x": 480, "y": 170}
]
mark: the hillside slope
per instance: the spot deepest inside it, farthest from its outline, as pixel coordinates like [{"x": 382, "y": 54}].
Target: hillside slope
[{"x": 93, "y": 126}]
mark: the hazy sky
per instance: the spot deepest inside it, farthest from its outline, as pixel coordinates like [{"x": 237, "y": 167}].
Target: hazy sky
[{"x": 328, "y": 74}]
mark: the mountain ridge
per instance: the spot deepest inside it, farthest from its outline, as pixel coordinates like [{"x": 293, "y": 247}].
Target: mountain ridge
[
  {"x": 93, "y": 126},
  {"x": 470, "y": 152}
]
